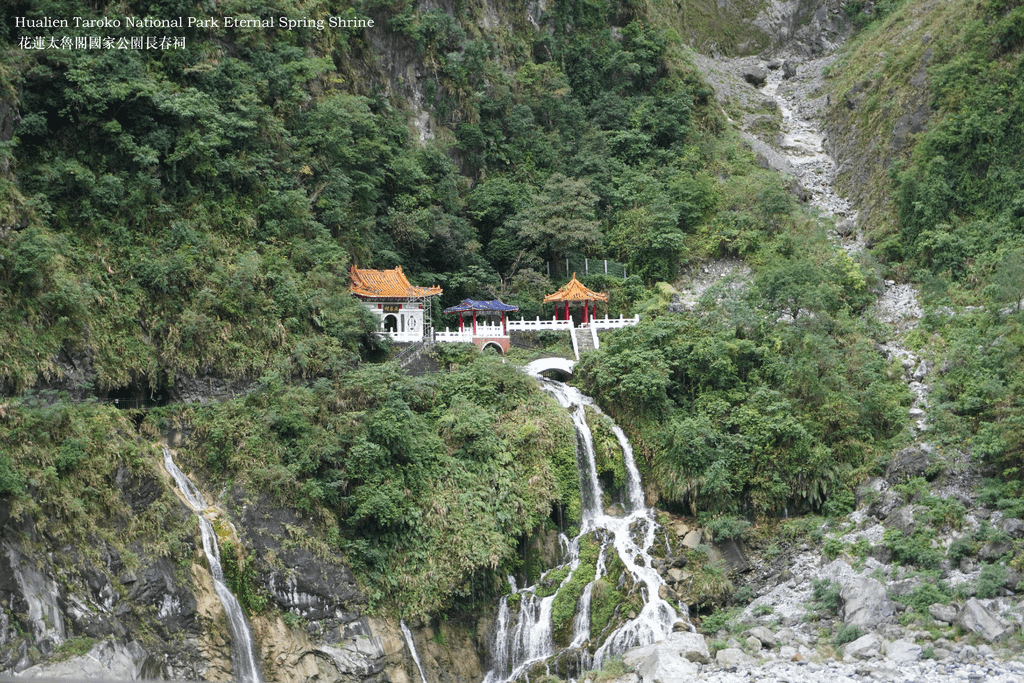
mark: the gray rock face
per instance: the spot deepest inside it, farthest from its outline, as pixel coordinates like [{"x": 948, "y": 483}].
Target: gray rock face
[
  {"x": 909, "y": 463},
  {"x": 882, "y": 506},
  {"x": 976, "y": 619},
  {"x": 312, "y": 588},
  {"x": 866, "y": 604},
  {"x": 105, "y": 661},
  {"x": 903, "y": 519}
]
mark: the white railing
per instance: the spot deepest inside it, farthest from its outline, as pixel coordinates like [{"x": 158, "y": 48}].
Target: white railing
[
  {"x": 536, "y": 325},
  {"x": 614, "y": 323},
  {"x": 466, "y": 334}
]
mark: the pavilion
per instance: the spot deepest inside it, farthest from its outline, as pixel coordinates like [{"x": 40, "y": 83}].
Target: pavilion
[
  {"x": 492, "y": 331},
  {"x": 574, "y": 292}
]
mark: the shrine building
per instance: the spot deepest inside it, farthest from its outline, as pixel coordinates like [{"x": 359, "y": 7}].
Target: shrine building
[{"x": 402, "y": 308}]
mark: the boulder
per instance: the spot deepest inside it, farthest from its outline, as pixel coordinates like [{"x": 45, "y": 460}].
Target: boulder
[
  {"x": 732, "y": 555},
  {"x": 764, "y": 635},
  {"x": 692, "y": 539},
  {"x": 684, "y": 646},
  {"x": 886, "y": 502},
  {"x": 866, "y": 603},
  {"x": 909, "y": 463},
  {"x": 903, "y": 652},
  {"x": 865, "y": 647},
  {"x": 662, "y": 666},
  {"x": 788, "y": 69},
  {"x": 754, "y": 74},
  {"x": 993, "y": 551},
  {"x": 753, "y": 644},
  {"x": 1013, "y": 527},
  {"x": 903, "y": 519},
  {"x": 947, "y": 614},
  {"x": 733, "y": 658},
  {"x": 977, "y": 619}
]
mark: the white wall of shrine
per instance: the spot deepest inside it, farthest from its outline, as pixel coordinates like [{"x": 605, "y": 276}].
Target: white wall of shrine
[{"x": 400, "y": 320}]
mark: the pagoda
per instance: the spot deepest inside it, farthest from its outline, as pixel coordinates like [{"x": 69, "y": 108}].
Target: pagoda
[
  {"x": 402, "y": 308},
  {"x": 574, "y": 292}
]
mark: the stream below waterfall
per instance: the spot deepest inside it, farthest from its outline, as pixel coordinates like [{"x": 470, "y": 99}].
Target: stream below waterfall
[
  {"x": 524, "y": 629},
  {"x": 243, "y": 657}
]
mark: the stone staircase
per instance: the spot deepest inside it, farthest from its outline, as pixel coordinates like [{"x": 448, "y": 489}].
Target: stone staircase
[{"x": 584, "y": 340}]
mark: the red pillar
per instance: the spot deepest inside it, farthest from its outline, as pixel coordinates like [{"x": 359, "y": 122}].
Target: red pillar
[
  {"x": 460, "y": 322},
  {"x": 504, "y": 328},
  {"x": 567, "y": 310},
  {"x": 474, "y": 323}
]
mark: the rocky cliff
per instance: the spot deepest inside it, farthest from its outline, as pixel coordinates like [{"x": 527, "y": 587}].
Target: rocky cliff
[{"x": 103, "y": 610}]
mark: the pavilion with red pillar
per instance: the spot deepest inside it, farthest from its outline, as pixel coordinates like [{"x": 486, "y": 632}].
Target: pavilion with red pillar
[
  {"x": 491, "y": 331},
  {"x": 574, "y": 292}
]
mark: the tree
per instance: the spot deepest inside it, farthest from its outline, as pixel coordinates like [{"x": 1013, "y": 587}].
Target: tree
[{"x": 561, "y": 219}]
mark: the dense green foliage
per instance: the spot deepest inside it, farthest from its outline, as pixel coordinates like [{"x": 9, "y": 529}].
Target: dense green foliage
[
  {"x": 425, "y": 485},
  {"x": 955, "y": 202},
  {"x": 771, "y": 399}
]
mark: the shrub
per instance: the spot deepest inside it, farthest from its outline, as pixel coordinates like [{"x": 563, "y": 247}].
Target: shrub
[
  {"x": 926, "y": 594},
  {"x": 847, "y": 633},
  {"x": 991, "y": 579},
  {"x": 825, "y": 597},
  {"x": 914, "y": 550},
  {"x": 832, "y": 548}
]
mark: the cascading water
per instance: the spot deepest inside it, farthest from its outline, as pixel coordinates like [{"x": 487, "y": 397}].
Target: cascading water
[
  {"x": 242, "y": 655},
  {"x": 523, "y": 639},
  {"x": 412, "y": 649}
]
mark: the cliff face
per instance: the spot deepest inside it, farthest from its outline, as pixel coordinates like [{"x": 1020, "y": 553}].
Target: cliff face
[{"x": 95, "y": 612}]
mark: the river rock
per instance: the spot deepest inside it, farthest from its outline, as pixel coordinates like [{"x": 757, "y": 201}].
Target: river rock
[
  {"x": 903, "y": 652},
  {"x": 692, "y": 539},
  {"x": 976, "y": 619},
  {"x": 865, "y": 647},
  {"x": 764, "y": 635},
  {"x": 754, "y": 74},
  {"x": 947, "y": 614},
  {"x": 866, "y": 603},
  {"x": 732, "y": 657}
]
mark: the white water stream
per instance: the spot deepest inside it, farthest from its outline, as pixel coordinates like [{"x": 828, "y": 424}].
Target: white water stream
[
  {"x": 412, "y": 649},
  {"x": 522, "y": 639},
  {"x": 242, "y": 655}
]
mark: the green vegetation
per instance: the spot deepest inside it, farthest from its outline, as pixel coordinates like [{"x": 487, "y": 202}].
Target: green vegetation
[
  {"x": 740, "y": 408},
  {"x": 946, "y": 213},
  {"x": 825, "y": 596}
]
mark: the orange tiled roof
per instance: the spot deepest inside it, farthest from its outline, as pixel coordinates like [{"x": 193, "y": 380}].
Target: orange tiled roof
[
  {"x": 575, "y": 291},
  {"x": 390, "y": 284}
]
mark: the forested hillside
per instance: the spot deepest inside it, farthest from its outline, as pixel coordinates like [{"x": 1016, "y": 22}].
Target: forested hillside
[{"x": 185, "y": 216}]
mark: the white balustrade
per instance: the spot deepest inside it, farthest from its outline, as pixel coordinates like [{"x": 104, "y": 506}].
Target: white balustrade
[{"x": 538, "y": 325}]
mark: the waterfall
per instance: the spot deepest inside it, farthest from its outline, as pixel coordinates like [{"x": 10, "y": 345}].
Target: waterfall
[
  {"x": 524, "y": 639},
  {"x": 242, "y": 655},
  {"x": 412, "y": 649}
]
